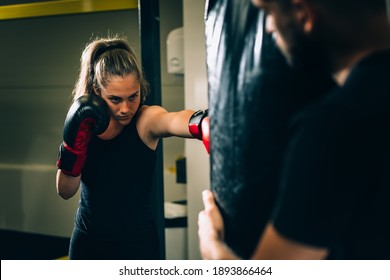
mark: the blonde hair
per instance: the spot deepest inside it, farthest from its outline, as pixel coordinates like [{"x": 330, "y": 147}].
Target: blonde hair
[{"x": 104, "y": 58}]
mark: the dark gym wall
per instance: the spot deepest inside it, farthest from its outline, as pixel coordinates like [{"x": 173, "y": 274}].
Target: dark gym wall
[{"x": 39, "y": 61}]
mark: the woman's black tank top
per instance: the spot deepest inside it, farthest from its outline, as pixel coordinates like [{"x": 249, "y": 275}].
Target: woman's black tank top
[{"x": 116, "y": 184}]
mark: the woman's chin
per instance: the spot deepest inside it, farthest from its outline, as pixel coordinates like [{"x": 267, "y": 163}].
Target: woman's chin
[{"x": 125, "y": 121}]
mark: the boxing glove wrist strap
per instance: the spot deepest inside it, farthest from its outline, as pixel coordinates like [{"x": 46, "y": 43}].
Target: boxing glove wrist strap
[
  {"x": 70, "y": 161},
  {"x": 195, "y": 122}
]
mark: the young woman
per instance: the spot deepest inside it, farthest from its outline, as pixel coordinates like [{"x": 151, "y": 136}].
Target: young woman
[{"x": 109, "y": 149}]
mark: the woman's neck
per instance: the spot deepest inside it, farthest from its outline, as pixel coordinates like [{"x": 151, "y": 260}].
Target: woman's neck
[{"x": 113, "y": 130}]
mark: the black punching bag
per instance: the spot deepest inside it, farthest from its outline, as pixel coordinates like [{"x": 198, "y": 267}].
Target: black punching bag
[{"x": 252, "y": 96}]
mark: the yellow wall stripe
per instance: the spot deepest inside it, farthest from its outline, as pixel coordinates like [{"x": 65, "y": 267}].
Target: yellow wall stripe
[
  {"x": 63, "y": 258},
  {"x": 63, "y": 7}
]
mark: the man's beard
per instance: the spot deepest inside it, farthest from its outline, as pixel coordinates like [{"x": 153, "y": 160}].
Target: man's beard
[
  {"x": 309, "y": 56},
  {"x": 310, "y": 64}
]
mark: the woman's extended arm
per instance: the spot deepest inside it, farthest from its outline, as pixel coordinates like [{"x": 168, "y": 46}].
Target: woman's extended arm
[{"x": 161, "y": 123}]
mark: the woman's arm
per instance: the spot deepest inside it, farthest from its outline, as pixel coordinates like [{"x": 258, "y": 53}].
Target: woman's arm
[
  {"x": 160, "y": 123},
  {"x": 67, "y": 186}
]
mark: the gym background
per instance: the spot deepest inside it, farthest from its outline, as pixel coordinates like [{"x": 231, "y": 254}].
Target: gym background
[{"x": 39, "y": 62}]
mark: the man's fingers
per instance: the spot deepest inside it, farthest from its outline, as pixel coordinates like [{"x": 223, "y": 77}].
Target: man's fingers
[{"x": 208, "y": 199}]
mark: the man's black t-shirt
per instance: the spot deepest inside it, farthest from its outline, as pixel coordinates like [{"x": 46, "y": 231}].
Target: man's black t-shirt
[{"x": 335, "y": 188}]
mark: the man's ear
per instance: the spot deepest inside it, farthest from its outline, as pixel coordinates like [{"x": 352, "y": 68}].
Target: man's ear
[
  {"x": 96, "y": 90},
  {"x": 304, "y": 14}
]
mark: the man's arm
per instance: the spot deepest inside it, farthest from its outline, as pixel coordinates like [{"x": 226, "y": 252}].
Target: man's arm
[
  {"x": 211, "y": 229},
  {"x": 272, "y": 245}
]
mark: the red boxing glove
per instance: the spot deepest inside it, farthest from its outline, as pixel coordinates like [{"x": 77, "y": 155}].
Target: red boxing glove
[
  {"x": 87, "y": 115},
  {"x": 199, "y": 127}
]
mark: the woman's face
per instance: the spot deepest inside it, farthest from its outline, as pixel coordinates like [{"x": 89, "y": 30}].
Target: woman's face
[{"x": 123, "y": 97}]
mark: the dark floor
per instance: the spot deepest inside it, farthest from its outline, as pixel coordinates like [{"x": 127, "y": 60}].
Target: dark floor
[{"x": 16, "y": 245}]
